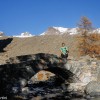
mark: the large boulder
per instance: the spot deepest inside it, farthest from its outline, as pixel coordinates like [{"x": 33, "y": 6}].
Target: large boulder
[
  {"x": 41, "y": 76},
  {"x": 93, "y": 88}
]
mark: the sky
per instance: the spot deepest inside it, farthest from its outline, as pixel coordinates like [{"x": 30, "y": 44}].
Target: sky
[{"x": 35, "y": 16}]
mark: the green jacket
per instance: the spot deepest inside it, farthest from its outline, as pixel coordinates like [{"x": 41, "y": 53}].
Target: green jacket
[{"x": 64, "y": 50}]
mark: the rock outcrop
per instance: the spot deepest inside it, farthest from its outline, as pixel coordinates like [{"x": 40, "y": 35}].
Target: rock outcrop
[{"x": 87, "y": 69}]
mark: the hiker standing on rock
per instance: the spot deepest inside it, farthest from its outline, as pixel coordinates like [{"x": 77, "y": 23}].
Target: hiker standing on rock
[{"x": 64, "y": 51}]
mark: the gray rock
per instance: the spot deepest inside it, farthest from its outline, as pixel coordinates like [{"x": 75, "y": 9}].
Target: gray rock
[{"x": 93, "y": 88}]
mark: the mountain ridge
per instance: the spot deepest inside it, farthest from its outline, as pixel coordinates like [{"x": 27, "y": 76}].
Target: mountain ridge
[
  {"x": 52, "y": 31},
  {"x": 62, "y": 30}
]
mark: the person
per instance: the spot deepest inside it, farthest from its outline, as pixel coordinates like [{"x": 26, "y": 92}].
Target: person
[{"x": 64, "y": 51}]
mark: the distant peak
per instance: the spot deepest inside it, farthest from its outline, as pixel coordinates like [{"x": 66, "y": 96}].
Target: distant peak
[
  {"x": 1, "y": 33},
  {"x": 24, "y": 34},
  {"x": 59, "y": 31}
]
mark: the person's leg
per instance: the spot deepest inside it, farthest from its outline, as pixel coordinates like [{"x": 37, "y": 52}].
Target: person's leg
[
  {"x": 66, "y": 55},
  {"x": 63, "y": 58}
]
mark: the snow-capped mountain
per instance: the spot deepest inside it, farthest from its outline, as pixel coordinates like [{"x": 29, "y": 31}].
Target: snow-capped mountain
[
  {"x": 62, "y": 30},
  {"x": 59, "y": 31},
  {"x": 53, "y": 31},
  {"x": 24, "y": 35}
]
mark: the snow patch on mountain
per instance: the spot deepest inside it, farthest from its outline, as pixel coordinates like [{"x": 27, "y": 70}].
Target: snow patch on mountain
[
  {"x": 42, "y": 33},
  {"x": 67, "y": 30},
  {"x": 97, "y": 30},
  {"x": 72, "y": 31},
  {"x": 61, "y": 29}
]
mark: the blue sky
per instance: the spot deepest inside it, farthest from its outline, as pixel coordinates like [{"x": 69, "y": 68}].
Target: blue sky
[{"x": 35, "y": 16}]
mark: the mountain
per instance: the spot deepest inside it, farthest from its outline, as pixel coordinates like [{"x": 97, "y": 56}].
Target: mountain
[
  {"x": 24, "y": 35},
  {"x": 1, "y": 33},
  {"x": 59, "y": 31},
  {"x": 53, "y": 31},
  {"x": 62, "y": 30}
]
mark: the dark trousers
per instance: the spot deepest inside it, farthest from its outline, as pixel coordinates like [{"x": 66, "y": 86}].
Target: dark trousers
[{"x": 64, "y": 56}]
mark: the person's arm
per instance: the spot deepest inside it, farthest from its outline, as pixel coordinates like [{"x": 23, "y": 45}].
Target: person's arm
[{"x": 67, "y": 49}]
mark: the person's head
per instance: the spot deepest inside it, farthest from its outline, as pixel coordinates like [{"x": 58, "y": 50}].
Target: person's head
[{"x": 63, "y": 44}]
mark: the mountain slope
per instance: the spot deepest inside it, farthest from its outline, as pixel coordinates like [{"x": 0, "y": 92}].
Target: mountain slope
[{"x": 41, "y": 44}]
